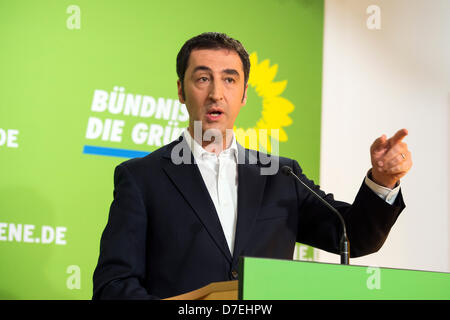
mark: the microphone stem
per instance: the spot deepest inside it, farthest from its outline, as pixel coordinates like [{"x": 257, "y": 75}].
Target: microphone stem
[
  {"x": 344, "y": 245},
  {"x": 345, "y": 250}
]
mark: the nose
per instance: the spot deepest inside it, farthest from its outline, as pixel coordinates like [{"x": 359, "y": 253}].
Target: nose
[{"x": 216, "y": 91}]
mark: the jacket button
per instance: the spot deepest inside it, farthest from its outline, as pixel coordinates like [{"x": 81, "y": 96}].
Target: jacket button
[{"x": 234, "y": 274}]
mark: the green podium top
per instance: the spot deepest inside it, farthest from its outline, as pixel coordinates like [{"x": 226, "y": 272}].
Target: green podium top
[{"x": 269, "y": 279}]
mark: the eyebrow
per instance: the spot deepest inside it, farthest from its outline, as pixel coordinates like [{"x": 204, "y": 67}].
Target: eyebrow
[
  {"x": 231, "y": 72},
  {"x": 205, "y": 68},
  {"x": 202, "y": 68}
]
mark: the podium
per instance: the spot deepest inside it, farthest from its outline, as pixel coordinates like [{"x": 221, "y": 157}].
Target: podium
[
  {"x": 224, "y": 290},
  {"x": 276, "y": 279}
]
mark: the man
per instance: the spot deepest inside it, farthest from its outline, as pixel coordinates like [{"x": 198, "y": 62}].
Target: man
[{"x": 175, "y": 226}]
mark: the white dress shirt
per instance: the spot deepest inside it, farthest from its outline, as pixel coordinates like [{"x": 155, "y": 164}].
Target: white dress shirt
[
  {"x": 388, "y": 195},
  {"x": 219, "y": 172}
]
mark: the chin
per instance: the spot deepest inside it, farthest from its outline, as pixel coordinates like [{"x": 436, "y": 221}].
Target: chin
[{"x": 213, "y": 130}]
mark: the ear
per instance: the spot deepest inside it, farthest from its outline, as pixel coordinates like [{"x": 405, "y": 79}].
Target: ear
[
  {"x": 180, "y": 92},
  {"x": 244, "y": 99}
]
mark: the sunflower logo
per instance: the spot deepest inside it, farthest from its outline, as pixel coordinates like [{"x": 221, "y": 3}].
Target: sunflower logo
[{"x": 264, "y": 99}]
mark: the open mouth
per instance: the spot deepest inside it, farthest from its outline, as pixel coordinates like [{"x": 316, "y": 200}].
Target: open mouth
[{"x": 214, "y": 113}]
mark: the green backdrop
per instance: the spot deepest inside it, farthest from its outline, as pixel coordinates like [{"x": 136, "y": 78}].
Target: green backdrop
[{"x": 60, "y": 61}]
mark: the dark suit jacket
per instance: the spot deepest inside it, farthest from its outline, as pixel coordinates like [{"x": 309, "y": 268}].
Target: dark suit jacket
[{"x": 164, "y": 237}]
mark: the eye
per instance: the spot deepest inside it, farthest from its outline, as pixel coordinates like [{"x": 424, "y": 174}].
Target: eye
[
  {"x": 203, "y": 79},
  {"x": 230, "y": 80}
]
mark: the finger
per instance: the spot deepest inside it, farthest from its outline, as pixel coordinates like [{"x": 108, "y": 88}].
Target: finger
[
  {"x": 399, "y": 159},
  {"x": 398, "y": 136},
  {"x": 398, "y": 166},
  {"x": 394, "y": 152},
  {"x": 398, "y": 169},
  {"x": 396, "y": 160},
  {"x": 379, "y": 143}
]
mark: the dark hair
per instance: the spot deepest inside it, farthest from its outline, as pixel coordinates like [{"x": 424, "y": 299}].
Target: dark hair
[{"x": 211, "y": 40}]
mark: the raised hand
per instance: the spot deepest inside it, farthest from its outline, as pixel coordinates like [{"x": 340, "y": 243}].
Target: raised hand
[{"x": 391, "y": 159}]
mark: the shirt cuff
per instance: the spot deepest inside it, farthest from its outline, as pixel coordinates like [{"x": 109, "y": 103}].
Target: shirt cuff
[{"x": 388, "y": 195}]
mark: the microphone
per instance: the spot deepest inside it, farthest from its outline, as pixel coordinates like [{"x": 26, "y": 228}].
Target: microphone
[{"x": 344, "y": 244}]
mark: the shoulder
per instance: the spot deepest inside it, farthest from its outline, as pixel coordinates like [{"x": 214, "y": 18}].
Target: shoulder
[
  {"x": 262, "y": 159},
  {"x": 262, "y": 156},
  {"x": 151, "y": 162}
]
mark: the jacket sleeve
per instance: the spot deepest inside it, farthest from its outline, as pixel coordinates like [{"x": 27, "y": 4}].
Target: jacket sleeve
[
  {"x": 121, "y": 265},
  {"x": 368, "y": 220}
]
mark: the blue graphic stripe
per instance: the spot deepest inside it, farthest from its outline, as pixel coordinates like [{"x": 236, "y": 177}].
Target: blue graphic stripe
[{"x": 114, "y": 152}]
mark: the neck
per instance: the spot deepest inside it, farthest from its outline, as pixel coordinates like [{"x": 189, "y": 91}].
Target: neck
[{"x": 213, "y": 140}]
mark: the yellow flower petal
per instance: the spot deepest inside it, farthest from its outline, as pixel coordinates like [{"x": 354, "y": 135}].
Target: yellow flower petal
[
  {"x": 275, "y": 109},
  {"x": 275, "y": 88},
  {"x": 278, "y": 104}
]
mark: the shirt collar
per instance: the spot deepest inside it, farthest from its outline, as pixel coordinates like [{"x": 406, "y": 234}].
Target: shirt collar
[{"x": 200, "y": 153}]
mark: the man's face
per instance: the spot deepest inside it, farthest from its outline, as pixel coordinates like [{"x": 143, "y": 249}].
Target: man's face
[{"x": 214, "y": 89}]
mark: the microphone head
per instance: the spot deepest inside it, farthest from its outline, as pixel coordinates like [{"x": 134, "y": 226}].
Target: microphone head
[{"x": 286, "y": 170}]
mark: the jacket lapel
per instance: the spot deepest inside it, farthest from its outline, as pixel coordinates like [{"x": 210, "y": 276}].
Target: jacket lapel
[
  {"x": 188, "y": 180},
  {"x": 250, "y": 195}
]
